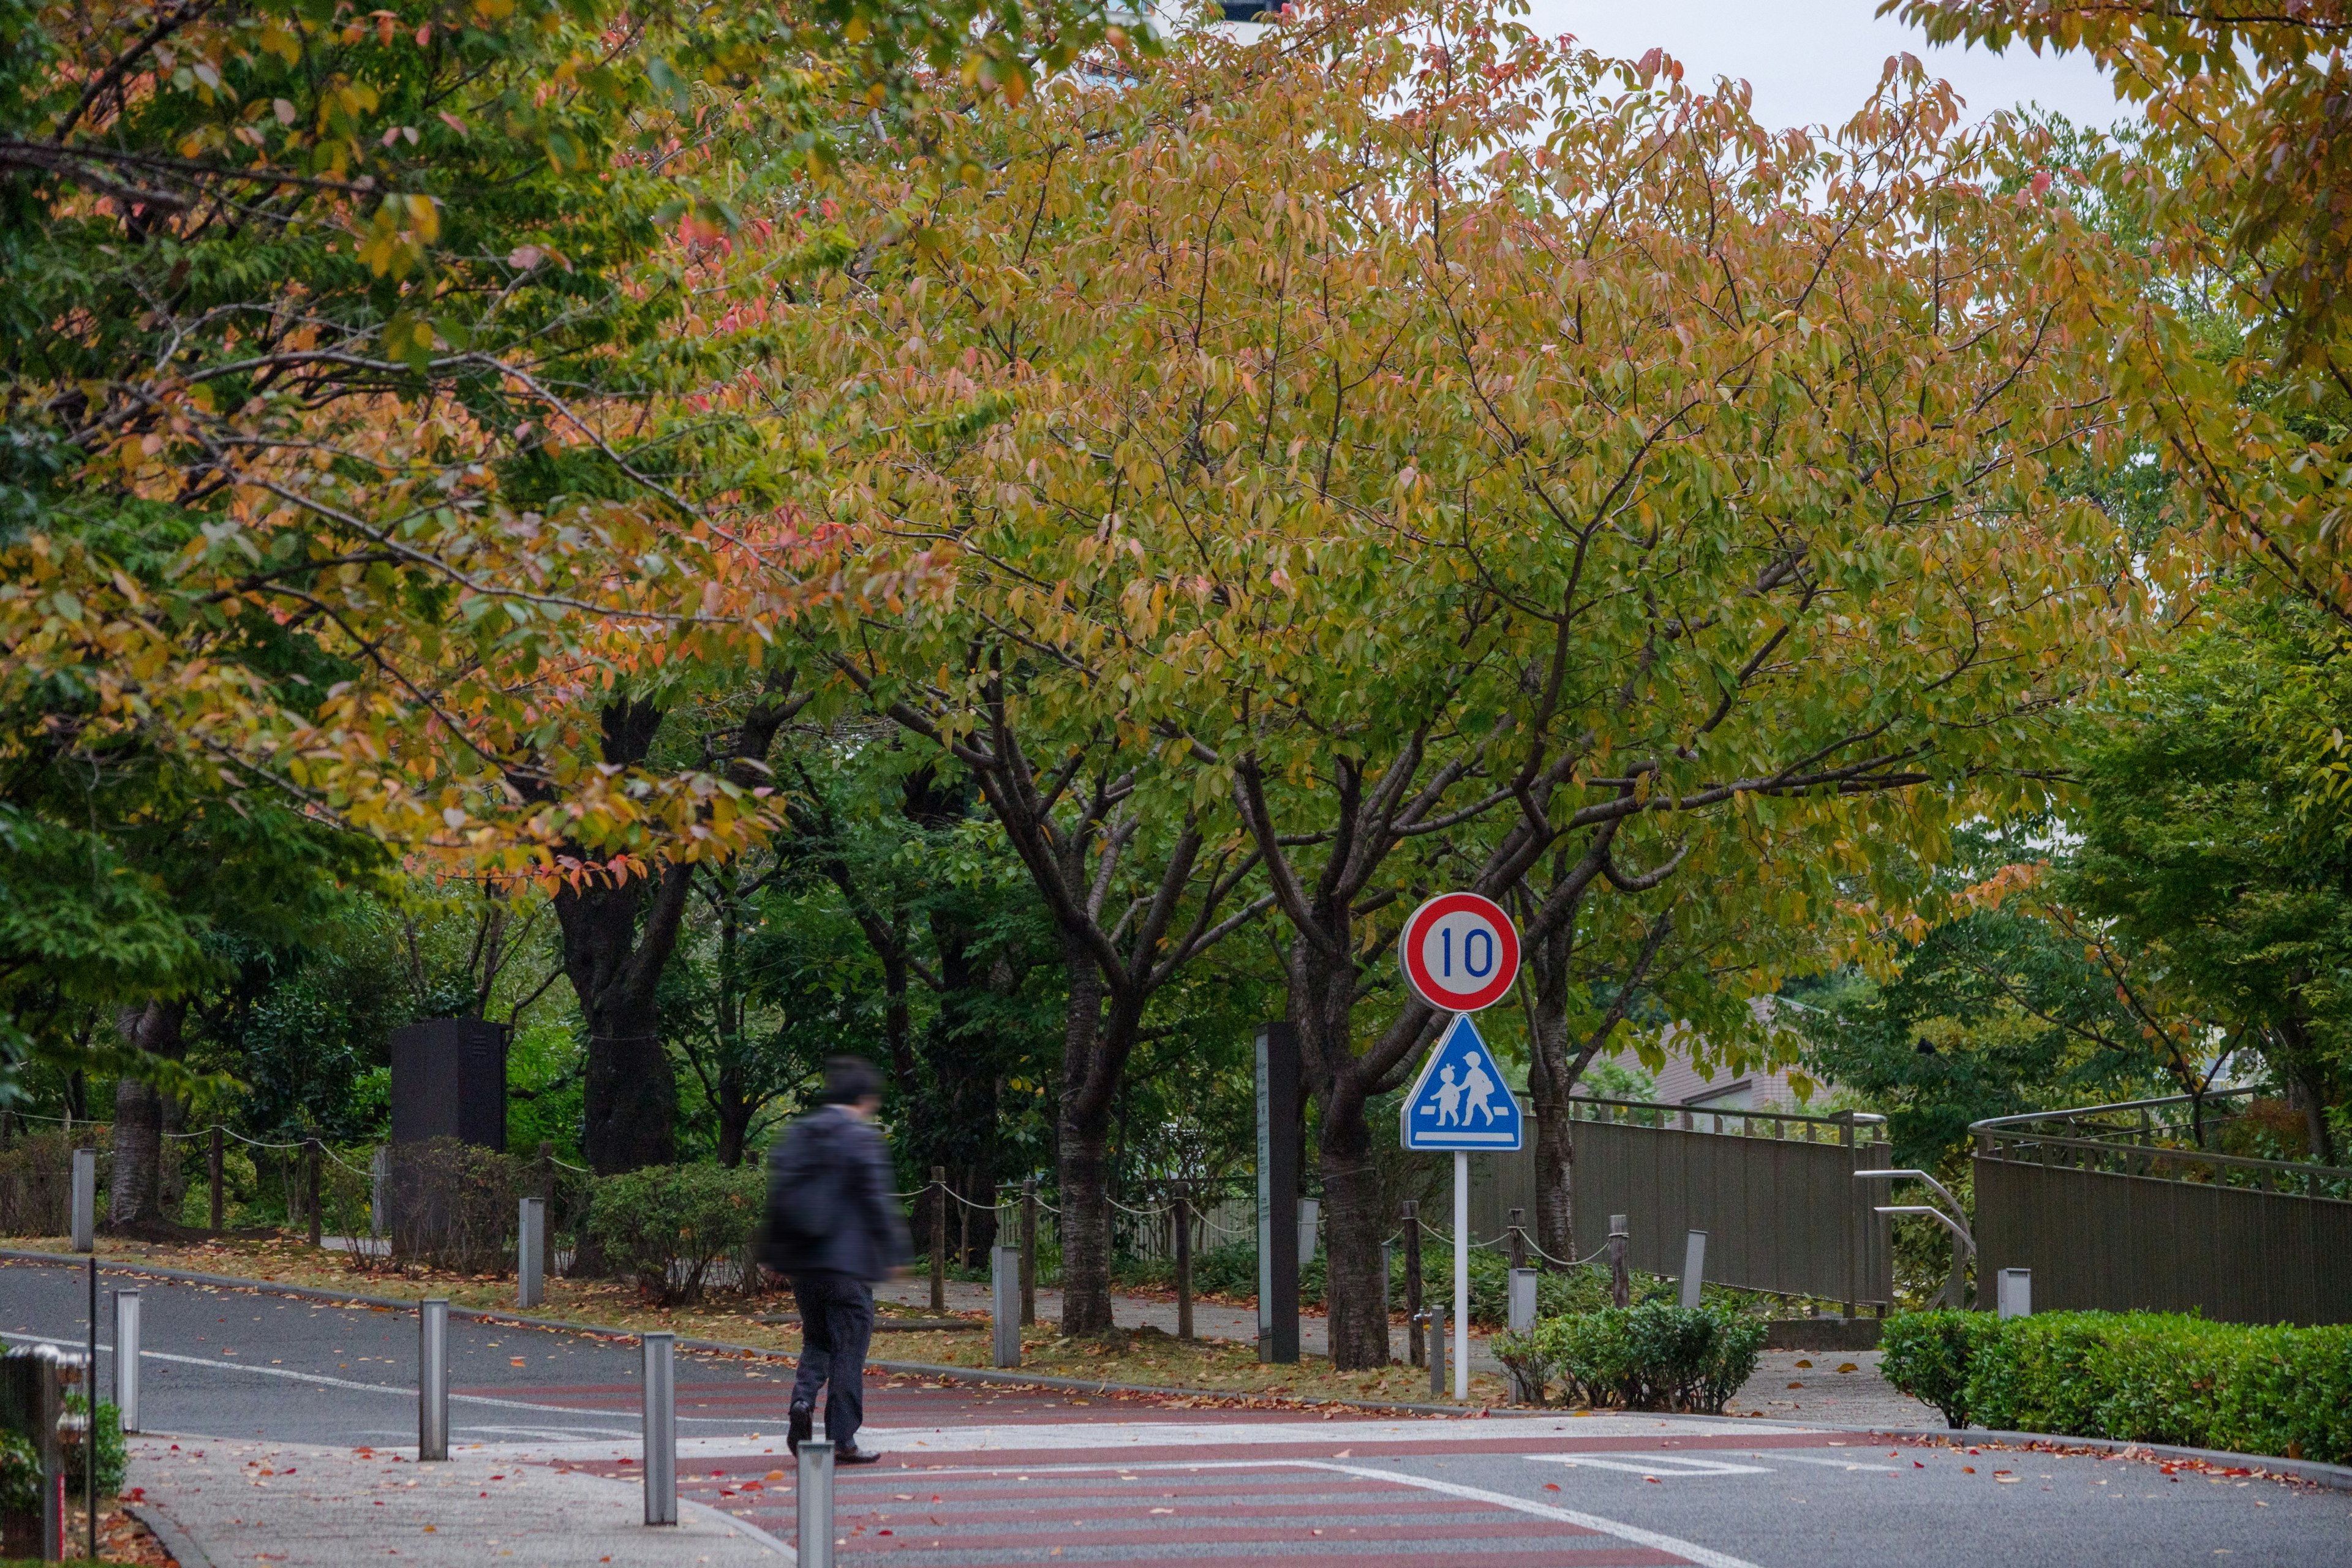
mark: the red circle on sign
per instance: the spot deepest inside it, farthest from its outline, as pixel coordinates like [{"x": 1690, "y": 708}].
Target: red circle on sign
[{"x": 1460, "y": 952}]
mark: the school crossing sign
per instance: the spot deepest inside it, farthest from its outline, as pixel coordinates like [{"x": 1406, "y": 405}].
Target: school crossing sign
[{"x": 1459, "y": 1103}]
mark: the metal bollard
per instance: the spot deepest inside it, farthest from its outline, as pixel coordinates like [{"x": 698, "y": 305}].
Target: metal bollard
[
  {"x": 1523, "y": 1300},
  {"x": 126, "y": 1358},
  {"x": 2015, "y": 1292},
  {"x": 433, "y": 1378},
  {"x": 85, "y": 1200},
  {"x": 1004, "y": 1303},
  {"x": 1436, "y": 1320},
  {"x": 1693, "y": 1265},
  {"x": 1310, "y": 1215},
  {"x": 813, "y": 1499},
  {"x": 661, "y": 1428},
  {"x": 531, "y": 1232}
]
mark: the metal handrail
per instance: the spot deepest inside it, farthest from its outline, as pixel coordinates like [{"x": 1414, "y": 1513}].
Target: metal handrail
[
  {"x": 2072, "y": 1112},
  {"x": 1847, "y": 1124},
  {"x": 2152, "y": 1152}
]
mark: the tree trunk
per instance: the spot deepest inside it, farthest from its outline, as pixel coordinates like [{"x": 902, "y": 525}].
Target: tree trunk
[
  {"x": 136, "y": 1196},
  {"x": 1355, "y": 1220},
  {"x": 630, "y": 1091},
  {"x": 1549, "y": 1081},
  {"x": 735, "y": 1112},
  {"x": 1083, "y": 1155}
]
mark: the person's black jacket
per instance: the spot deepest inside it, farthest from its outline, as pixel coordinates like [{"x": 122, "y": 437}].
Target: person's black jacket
[{"x": 868, "y": 1238}]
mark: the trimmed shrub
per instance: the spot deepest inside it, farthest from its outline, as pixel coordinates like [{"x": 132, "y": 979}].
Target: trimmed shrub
[
  {"x": 453, "y": 1206},
  {"x": 1655, "y": 1356},
  {"x": 672, "y": 1227},
  {"x": 2142, "y": 1377},
  {"x": 1929, "y": 1355}
]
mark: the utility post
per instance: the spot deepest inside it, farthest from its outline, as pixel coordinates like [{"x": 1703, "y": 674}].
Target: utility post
[
  {"x": 1028, "y": 1251},
  {"x": 1415, "y": 1350},
  {"x": 1183, "y": 1215},
  {"x": 939, "y": 1240}
]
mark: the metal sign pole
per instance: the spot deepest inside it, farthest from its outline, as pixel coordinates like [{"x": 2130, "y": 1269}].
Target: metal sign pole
[
  {"x": 1461, "y": 1274},
  {"x": 89, "y": 1400}
]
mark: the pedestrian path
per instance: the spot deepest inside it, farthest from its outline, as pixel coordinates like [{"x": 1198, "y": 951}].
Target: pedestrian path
[
  {"x": 1210, "y": 1319},
  {"x": 302, "y": 1505}
]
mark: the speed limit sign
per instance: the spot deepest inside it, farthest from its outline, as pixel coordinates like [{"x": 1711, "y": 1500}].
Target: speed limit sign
[{"x": 1460, "y": 952}]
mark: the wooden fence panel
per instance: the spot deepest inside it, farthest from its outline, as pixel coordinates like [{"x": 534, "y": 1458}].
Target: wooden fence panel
[{"x": 2110, "y": 1241}]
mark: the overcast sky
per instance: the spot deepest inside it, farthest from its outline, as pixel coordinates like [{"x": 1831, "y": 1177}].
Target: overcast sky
[{"x": 1814, "y": 61}]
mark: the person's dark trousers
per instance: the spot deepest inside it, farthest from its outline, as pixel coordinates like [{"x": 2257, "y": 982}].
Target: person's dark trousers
[{"x": 836, "y": 1325}]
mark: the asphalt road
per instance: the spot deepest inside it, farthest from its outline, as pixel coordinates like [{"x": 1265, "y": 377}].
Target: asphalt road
[{"x": 978, "y": 1477}]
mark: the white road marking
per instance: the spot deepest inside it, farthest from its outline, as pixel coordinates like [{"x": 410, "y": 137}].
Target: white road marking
[
  {"x": 1704, "y": 1556},
  {"x": 1818, "y": 1460},
  {"x": 1659, "y": 1465}
]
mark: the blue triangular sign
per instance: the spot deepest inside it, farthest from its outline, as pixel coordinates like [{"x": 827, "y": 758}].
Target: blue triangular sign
[{"x": 1459, "y": 1102}]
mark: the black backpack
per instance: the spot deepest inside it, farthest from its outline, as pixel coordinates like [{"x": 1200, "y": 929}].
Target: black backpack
[{"x": 804, "y": 1193}]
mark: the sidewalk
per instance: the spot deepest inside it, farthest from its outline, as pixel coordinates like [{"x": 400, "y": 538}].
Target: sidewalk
[
  {"x": 1210, "y": 1319},
  {"x": 301, "y": 1505}
]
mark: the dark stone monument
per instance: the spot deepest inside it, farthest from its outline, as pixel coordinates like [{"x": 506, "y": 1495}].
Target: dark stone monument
[
  {"x": 1281, "y": 1145},
  {"x": 450, "y": 1081}
]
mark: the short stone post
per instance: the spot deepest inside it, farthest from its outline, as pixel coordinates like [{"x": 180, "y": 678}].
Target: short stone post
[
  {"x": 812, "y": 1503},
  {"x": 661, "y": 1427},
  {"x": 1004, "y": 1303},
  {"x": 530, "y": 1253},
  {"x": 85, "y": 1200},
  {"x": 1694, "y": 1266}
]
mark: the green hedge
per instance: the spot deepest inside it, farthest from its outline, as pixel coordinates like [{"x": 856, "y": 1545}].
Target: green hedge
[
  {"x": 1655, "y": 1356},
  {"x": 2142, "y": 1377},
  {"x": 668, "y": 1224}
]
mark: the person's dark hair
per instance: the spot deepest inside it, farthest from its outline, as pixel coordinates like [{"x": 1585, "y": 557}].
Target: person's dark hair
[{"x": 848, "y": 1080}]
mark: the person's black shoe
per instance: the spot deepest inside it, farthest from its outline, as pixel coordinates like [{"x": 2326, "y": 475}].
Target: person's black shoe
[
  {"x": 856, "y": 1456},
  {"x": 797, "y": 1432}
]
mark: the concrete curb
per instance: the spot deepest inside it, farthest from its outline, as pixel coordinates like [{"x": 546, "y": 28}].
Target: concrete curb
[
  {"x": 169, "y": 1534},
  {"x": 2337, "y": 1477},
  {"x": 723, "y": 1347}
]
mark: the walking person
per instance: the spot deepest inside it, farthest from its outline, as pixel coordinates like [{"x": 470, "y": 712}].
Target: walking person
[{"x": 834, "y": 1231}]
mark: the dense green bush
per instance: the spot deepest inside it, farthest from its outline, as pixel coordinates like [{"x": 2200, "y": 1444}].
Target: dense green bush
[
  {"x": 1655, "y": 1356},
  {"x": 668, "y": 1226},
  {"x": 1928, "y": 1356},
  {"x": 2145, "y": 1377}
]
